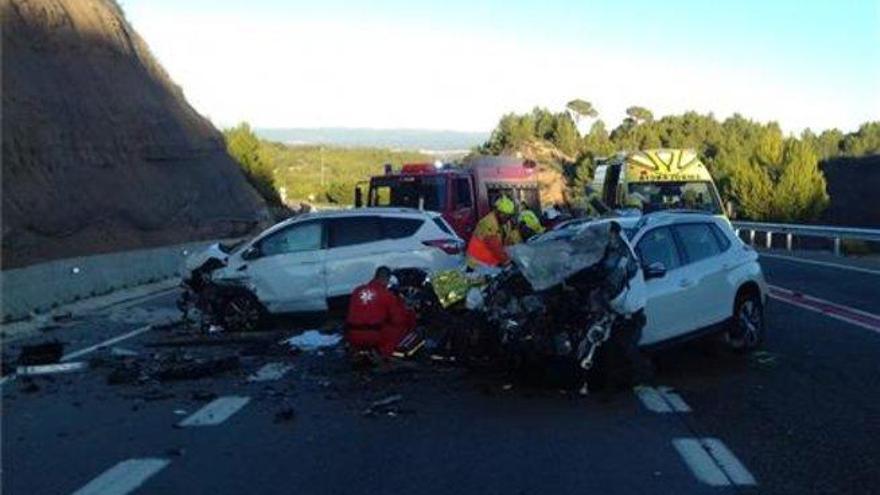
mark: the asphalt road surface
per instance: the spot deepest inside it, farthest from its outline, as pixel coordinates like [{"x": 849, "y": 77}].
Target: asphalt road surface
[{"x": 801, "y": 416}]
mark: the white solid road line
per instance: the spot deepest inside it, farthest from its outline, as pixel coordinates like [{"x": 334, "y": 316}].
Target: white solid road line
[
  {"x": 270, "y": 371},
  {"x": 108, "y": 342},
  {"x": 826, "y": 264},
  {"x": 712, "y": 462},
  {"x": 124, "y": 477},
  {"x": 661, "y": 400},
  {"x": 216, "y": 411}
]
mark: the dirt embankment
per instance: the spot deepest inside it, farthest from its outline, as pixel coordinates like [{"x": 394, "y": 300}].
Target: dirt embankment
[{"x": 101, "y": 151}]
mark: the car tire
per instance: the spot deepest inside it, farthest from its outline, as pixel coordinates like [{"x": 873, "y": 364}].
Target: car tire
[
  {"x": 746, "y": 330},
  {"x": 243, "y": 313}
]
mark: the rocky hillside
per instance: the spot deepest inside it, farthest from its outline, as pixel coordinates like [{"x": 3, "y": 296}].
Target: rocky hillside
[
  {"x": 551, "y": 163},
  {"x": 101, "y": 151}
]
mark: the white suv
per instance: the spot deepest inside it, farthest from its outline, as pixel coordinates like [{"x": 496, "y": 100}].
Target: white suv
[
  {"x": 300, "y": 263},
  {"x": 699, "y": 277}
]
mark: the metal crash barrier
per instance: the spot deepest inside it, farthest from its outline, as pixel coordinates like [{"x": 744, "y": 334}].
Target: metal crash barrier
[{"x": 837, "y": 234}]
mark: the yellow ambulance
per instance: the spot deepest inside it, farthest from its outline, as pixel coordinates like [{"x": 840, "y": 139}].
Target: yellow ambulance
[{"x": 653, "y": 180}]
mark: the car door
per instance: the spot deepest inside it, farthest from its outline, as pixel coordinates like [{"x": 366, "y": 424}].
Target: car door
[
  {"x": 288, "y": 275},
  {"x": 667, "y": 302},
  {"x": 705, "y": 269},
  {"x": 356, "y": 246}
]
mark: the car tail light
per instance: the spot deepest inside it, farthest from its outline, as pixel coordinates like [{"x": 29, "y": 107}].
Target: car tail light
[{"x": 449, "y": 246}]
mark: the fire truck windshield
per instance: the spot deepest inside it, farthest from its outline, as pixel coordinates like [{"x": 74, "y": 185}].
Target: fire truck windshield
[{"x": 407, "y": 192}]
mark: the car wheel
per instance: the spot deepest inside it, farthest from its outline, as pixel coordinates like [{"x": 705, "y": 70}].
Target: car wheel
[
  {"x": 746, "y": 331},
  {"x": 243, "y": 313}
]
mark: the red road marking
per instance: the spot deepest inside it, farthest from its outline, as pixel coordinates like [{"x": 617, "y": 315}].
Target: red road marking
[{"x": 840, "y": 312}]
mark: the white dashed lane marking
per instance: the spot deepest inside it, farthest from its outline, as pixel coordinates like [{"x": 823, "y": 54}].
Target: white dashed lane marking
[
  {"x": 712, "y": 462},
  {"x": 124, "y": 477},
  {"x": 270, "y": 371},
  {"x": 661, "y": 400},
  {"x": 216, "y": 411}
]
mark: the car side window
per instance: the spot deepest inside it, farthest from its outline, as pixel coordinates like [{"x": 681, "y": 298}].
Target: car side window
[
  {"x": 354, "y": 230},
  {"x": 463, "y": 193},
  {"x": 398, "y": 228},
  {"x": 658, "y": 246},
  {"x": 294, "y": 239},
  {"x": 723, "y": 241},
  {"x": 698, "y": 241}
]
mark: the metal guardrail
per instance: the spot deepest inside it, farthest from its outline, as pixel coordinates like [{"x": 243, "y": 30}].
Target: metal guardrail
[{"x": 792, "y": 230}]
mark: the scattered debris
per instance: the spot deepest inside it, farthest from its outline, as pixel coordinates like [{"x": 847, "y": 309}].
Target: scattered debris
[
  {"x": 122, "y": 352},
  {"x": 203, "y": 395},
  {"x": 48, "y": 369},
  {"x": 225, "y": 339},
  {"x": 28, "y": 386},
  {"x": 383, "y": 406},
  {"x": 285, "y": 415},
  {"x": 46, "y": 353},
  {"x": 271, "y": 371},
  {"x": 197, "y": 369},
  {"x": 124, "y": 375},
  {"x": 175, "y": 452},
  {"x": 311, "y": 340}
]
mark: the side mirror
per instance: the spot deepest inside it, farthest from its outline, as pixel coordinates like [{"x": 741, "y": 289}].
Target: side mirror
[
  {"x": 654, "y": 270},
  {"x": 251, "y": 253},
  {"x": 358, "y": 197}
]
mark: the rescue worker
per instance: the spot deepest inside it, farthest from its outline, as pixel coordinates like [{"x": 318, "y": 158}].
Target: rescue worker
[
  {"x": 493, "y": 232},
  {"x": 529, "y": 224},
  {"x": 377, "y": 318}
]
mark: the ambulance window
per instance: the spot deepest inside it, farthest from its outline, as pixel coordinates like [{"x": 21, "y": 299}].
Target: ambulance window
[
  {"x": 463, "y": 193},
  {"x": 354, "y": 230},
  {"x": 658, "y": 246}
]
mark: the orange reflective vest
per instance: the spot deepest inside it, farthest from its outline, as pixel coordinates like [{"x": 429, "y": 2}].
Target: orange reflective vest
[{"x": 487, "y": 243}]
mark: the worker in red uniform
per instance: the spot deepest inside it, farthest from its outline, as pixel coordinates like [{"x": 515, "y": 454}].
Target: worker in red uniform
[{"x": 377, "y": 318}]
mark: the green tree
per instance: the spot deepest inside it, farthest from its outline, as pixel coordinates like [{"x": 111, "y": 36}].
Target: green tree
[
  {"x": 752, "y": 190},
  {"x": 640, "y": 114},
  {"x": 244, "y": 146},
  {"x": 800, "y": 193},
  {"x": 866, "y": 141},
  {"x": 565, "y": 135},
  {"x": 581, "y": 108}
]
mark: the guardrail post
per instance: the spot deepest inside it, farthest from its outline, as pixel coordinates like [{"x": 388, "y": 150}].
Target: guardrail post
[
  {"x": 837, "y": 246},
  {"x": 752, "y": 237},
  {"x": 788, "y": 237},
  {"x": 769, "y": 239}
]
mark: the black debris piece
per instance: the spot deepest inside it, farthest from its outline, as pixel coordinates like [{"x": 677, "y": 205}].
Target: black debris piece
[
  {"x": 285, "y": 415},
  {"x": 197, "y": 369},
  {"x": 45, "y": 353},
  {"x": 203, "y": 395}
]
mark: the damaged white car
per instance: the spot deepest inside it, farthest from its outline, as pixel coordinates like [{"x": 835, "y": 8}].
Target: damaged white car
[{"x": 300, "y": 264}]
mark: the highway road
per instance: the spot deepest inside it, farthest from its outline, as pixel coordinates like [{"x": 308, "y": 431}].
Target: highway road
[{"x": 802, "y": 416}]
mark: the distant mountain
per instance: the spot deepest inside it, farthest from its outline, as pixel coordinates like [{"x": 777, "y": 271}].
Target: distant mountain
[{"x": 403, "y": 139}]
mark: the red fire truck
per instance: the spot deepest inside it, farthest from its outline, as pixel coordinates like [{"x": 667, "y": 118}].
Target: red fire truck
[{"x": 463, "y": 194}]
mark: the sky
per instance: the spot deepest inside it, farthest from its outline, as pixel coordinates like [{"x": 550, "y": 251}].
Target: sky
[{"x": 461, "y": 64}]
